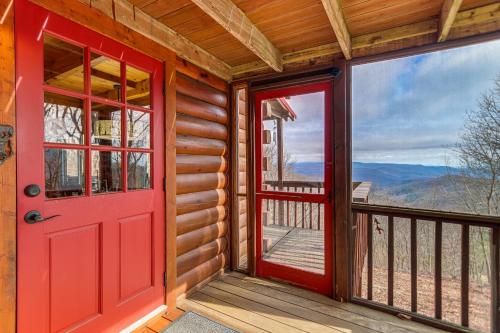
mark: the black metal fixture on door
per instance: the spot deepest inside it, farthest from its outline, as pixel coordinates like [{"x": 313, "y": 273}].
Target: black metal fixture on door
[
  {"x": 34, "y": 216},
  {"x": 32, "y": 190},
  {"x": 6, "y": 133}
]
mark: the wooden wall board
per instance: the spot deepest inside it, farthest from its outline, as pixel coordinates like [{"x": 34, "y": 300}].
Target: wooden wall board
[
  {"x": 202, "y": 241},
  {"x": 8, "y": 223},
  {"x": 170, "y": 182}
]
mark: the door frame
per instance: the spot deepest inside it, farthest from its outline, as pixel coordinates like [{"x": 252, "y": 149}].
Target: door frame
[{"x": 317, "y": 282}]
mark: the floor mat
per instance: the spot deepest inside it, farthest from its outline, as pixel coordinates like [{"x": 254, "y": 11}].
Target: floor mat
[{"x": 191, "y": 322}]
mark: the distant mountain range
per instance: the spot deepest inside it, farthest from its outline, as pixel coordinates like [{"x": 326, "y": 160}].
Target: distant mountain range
[{"x": 381, "y": 174}]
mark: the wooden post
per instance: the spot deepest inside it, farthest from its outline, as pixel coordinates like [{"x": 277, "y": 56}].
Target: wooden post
[
  {"x": 495, "y": 279},
  {"x": 342, "y": 186},
  {"x": 7, "y": 173},
  {"x": 281, "y": 152},
  {"x": 170, "y": 182}
]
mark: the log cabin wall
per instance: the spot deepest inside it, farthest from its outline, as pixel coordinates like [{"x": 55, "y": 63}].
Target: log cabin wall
[
  {"x": 240, "y": 225},
  {"x": 202, "y": 176}
]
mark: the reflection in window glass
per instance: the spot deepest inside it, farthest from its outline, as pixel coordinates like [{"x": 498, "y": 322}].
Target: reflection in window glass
[
  {"x": 64, "y": 173},
  {"x": 63, "y": 64},
  {"x": 106, "y": 171},
  {"x": 139, "y": 170},
  {"x": 138, "y": 124},
  {"x": 138, "y": 90},
  {"x": 106, "y": 125},
  {"x": 63, "y": 119},
  {"x": 105, "y": 77}
]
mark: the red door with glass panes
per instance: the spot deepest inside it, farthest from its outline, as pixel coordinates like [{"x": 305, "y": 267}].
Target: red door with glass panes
[
  {"x": 294, "y": 163},
  {"x": 90, "y": 174}
]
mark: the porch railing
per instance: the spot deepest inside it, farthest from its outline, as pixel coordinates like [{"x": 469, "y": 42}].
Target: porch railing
[
  {"x": 369, "y": 217},
  {"x": 305, "y": 215}
]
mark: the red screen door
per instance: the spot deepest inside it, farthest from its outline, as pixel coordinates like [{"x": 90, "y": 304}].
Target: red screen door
[
  {"x": 294, "y": 184},
  {"x": 90, "y": 175}
]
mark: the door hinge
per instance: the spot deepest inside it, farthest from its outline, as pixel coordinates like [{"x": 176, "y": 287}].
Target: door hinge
[
  {"x": 165, "y": 279},
  {"x": 164, "y": 184}
]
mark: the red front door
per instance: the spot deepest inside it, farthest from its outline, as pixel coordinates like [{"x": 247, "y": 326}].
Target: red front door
[
  {"x": 90, "y": 174},
  {"x": 294, "y": 165}
]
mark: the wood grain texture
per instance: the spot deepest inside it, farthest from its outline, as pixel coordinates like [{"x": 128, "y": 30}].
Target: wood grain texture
[
  {"x": 202, "y": 205},
  {"x": 336, "y": 17},
  {"x": 7, "y": 173},
  {"x": 199, "y": 219},
  {"x": 200, "y": 164},
  {"x": 469, "y": 22},
  {"x": 234, "y": 20},
  {"x": 170, "y": 182},
  {"x": 448, "y": 13}
]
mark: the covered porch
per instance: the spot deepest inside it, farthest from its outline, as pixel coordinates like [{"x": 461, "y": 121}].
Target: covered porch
[{"x": 161, "y": 157}]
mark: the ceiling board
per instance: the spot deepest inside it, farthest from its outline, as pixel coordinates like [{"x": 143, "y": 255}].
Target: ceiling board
[{"x": 291, "y": 25}]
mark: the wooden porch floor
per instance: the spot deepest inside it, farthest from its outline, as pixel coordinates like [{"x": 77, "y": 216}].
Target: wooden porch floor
[{"x": 257, "y": 305}]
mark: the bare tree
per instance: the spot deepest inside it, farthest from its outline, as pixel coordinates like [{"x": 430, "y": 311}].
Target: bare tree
[{"x": 479, "y": 155}]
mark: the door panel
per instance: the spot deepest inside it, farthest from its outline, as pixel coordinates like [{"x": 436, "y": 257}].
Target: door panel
[
  {"x": 90, "y": 135},
  {"x": 294, "y": 185}
]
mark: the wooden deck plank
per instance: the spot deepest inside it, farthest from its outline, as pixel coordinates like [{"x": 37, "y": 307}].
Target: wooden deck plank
[
  {"x": 353, "y": 308},
  {"x": 233, "y": 322},
  {"x": 158, "y": 323},
  {"x": 219, "y": 303},
  {"x": 296, "y": 315},
  {"x": 296, "y": 247},
  {"x": 327, "y": 310}
]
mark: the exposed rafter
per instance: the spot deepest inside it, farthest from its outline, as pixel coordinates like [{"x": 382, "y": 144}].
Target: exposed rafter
[
  {"x": 133, "y": 18},
  {"x": 484, "y": 19},
  {"x": 336, "y": 17},
  {"x": 448, "y": 13},
  {"x": 234, "y": 20}
]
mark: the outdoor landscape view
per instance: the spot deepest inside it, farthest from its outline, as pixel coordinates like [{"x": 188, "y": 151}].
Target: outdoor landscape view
[{"x": 425, "y": 135}]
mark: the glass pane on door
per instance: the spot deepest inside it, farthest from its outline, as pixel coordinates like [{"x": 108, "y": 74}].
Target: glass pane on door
[{"x": 293, "y": 143}]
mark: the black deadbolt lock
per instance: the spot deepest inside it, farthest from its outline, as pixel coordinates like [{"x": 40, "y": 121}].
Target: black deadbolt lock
[{"x": 32, "y": 190}]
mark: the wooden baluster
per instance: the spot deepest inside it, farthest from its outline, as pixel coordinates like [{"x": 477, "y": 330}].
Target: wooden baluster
[
  {"x": 274, "y": 209},
  {"x": 310, "y": 211},
  {"x": 287, "y": 209},
  {"x": 370, "y": 256},
  {"x": 465, "y": 275},
  {"x": 390, "y": 261},
  {"x": 295, "y": 209},
  {"x": 303, "y": 209},
  {"x": 413, "y": 250},
  {"x": 438, "y": 283},
  {"x": 495, "y": 279}
]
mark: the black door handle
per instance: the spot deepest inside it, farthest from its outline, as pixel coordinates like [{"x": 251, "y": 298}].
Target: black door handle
[{"x": 34, "y": 216}]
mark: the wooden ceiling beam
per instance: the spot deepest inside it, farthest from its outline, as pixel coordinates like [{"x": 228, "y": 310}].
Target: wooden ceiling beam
[
  {"x": 337, "y": 20},
  {"x": 124, "y": 12},
  {"x": 476, "y": 19},
  {"x": 235, "y": 21},
  {"x": 448, "y": 13}
]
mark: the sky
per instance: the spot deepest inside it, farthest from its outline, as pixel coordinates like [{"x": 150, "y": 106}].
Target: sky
[
  {"x": 409, "y": 110},
  {"x": 412, "y": 110},
  {"x": 304, "y": 137}
]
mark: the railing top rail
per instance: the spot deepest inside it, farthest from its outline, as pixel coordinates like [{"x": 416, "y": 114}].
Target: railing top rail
[
  {"x": 295, "y": 183},
  {"x": 425, "y": 214}
]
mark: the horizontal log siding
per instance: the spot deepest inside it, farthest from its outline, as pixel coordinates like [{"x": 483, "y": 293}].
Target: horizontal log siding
[{"x": 202, "y": 199}]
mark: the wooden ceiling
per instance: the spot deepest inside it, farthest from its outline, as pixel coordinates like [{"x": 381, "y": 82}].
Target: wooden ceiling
[{"x": 250, "y": 35}]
